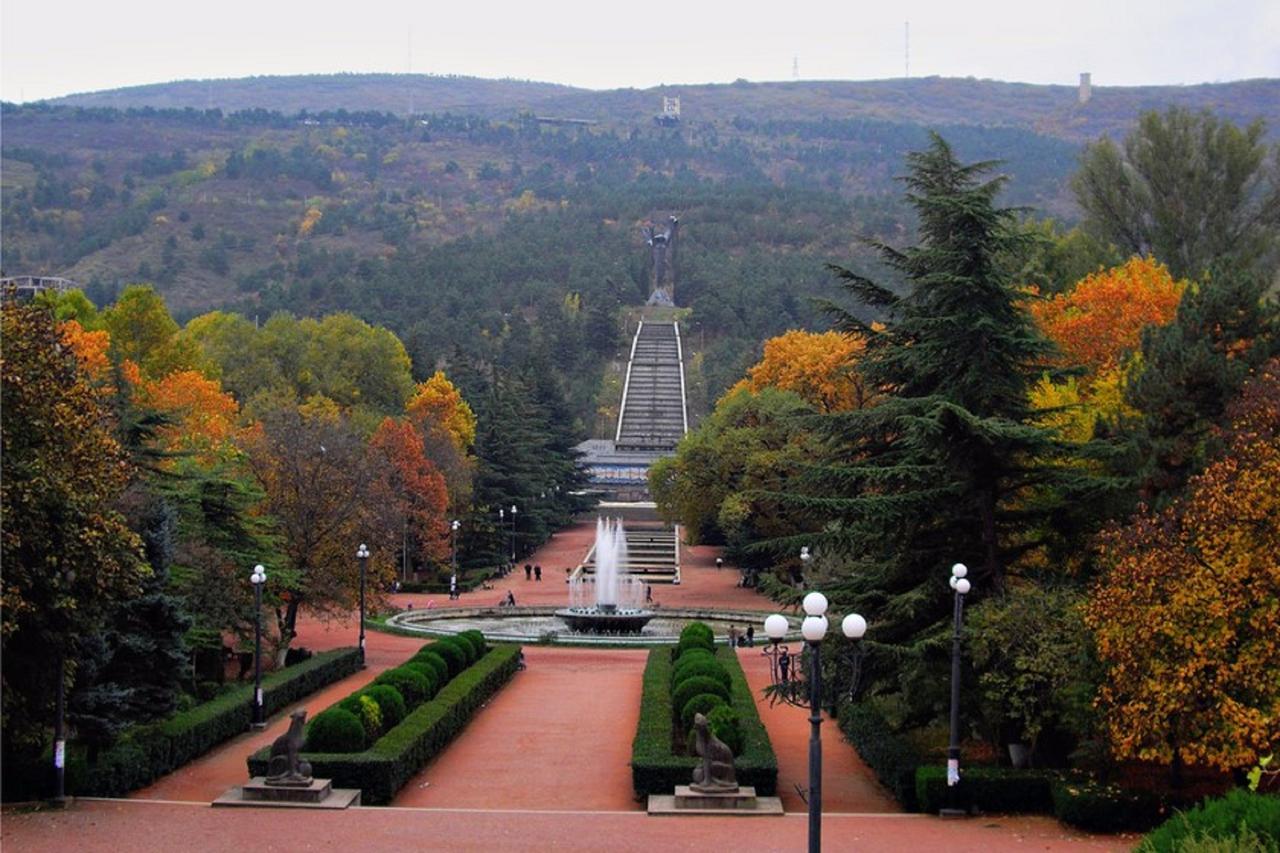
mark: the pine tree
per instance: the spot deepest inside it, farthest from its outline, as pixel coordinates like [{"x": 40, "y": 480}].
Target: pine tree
[
  {"x": 1224, "y": 329},
  {"x": 949, "y": 466}
]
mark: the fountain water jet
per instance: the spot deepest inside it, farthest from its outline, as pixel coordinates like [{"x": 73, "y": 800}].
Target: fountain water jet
[{"x": 611, "y": 602}]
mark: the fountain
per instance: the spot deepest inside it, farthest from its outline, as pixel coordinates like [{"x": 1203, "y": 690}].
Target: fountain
[{"x": 611, "y": 602}]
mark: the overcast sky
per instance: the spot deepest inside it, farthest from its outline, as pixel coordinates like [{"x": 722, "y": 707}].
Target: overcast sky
[{"x": 50, "y": 48}]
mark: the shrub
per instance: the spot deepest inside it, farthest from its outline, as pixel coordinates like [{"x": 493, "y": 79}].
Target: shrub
[
  {"x": 476, "y": 638},
  {"x": 890, "y": 757},
  {"x": 656, "y": 769},
  {"x": 692, "y": 653},
  {"x": 453, "y": 655},
  {"x": 390, "y": 703},
  {"x": 725, "y": 725},
  {"x": 696, "y": 686},
  {"x": 436, "y": 663},
  {"x": 703, "y": 703},
  {"x": 1222, "y": 819},
  {"x": 382, "y": 769},
  {"x": 695, "y": 635},
  {"x": 468, "y": 650},
  {"x": 986, "y": 789},
  {"x": 426, "y": 672},
  {"x": 1104, "y": 808},
  {"x": 700, "y": 668},
  {"x": 412, "y": 685},
  {"x": 335, "y": 730}
]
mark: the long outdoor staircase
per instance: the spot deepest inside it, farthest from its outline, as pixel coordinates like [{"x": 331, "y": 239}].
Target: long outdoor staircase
[
  {"x": 653, "y": 416},
  {"x": 653, "y": 555}
]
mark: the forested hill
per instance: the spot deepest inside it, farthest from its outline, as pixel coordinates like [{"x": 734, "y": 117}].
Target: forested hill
[{"x": 1052, "y": 110}]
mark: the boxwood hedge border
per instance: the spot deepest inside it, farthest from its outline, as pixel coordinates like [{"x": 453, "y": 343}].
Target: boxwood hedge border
[
  {"x": 656, "y": 770},
  {"x": 383, "y": 769}
]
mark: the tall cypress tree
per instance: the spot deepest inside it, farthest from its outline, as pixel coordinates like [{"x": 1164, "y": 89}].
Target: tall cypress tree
[{"x": 949, "y": 466}]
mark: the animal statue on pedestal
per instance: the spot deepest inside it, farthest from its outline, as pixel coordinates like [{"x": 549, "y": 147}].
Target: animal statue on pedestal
[
  {"x": 284, "y": 766},
  {"x": 714, "y": 774}
]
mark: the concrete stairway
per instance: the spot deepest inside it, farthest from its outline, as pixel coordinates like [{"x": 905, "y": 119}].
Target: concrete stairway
[
  {"x": 653, "y": 414},
  {"x": 653, "y": 554}
]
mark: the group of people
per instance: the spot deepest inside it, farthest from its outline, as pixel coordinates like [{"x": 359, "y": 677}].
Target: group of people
[
  {"x": 532, "y": 572},
  {"x": 744, "y": 638}
]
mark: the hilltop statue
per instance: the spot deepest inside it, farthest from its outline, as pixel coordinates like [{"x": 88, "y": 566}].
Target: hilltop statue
[{"x": 662, "y": 245}]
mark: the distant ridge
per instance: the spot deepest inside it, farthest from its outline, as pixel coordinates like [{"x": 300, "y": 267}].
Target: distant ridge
[{"x": 1050, "y": 110}]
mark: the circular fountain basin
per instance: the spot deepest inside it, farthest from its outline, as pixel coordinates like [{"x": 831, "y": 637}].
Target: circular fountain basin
[
  {"x": 601, "y": 620},
  {"x": 547, "y": 625}
]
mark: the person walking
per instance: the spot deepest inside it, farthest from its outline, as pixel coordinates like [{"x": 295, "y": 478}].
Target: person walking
[
  {"x": 719, "y": 562},
  {"x": 733, "y": 636},
  {"x": 453, "y": 587},
  {"x": 528, "y": 572},
  {"x": 537, "y": 572},
  {"x": 751, "y": 635}
]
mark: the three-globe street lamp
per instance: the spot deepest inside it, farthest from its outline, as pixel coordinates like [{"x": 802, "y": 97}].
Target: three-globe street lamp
[
  {"x": 513, "y": 535},
  {"x": 362, "y": 554},
  {"x": 790, "y": 689},
  {"x": 258, "y": 578},
  {"x": 961, "y": 585}
]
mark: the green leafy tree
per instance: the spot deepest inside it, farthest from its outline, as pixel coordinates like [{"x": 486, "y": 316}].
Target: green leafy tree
[
  {"x": 67, "y": 552},
  {"x": 143, "y": 332},
  {"x": 1189, "y": 188}
]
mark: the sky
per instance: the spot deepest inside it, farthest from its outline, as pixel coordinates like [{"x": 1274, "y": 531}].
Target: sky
[{"x": 51, "y": 47}]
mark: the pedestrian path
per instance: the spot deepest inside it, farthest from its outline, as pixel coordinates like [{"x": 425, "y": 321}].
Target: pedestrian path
[{"x": 557, "y": 737}]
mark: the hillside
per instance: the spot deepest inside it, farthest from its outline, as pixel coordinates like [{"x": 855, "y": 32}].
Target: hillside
[{"x": 1051, "y": 110}]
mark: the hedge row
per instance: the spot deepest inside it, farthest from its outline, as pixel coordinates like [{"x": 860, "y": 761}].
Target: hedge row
[
  {"x": 1077, "y": 802},
  {"x": 656, "y": 770},
  {"x": 381, "y": 770},
  {"x": 890, "y": 757},
  {"x": 1240, "y": 820},
  {"x": 144, "y": 753}
]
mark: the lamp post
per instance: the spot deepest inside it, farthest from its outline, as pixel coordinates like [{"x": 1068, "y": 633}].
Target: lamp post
[
  {"x": 961, "y": 585},
  {"x": 453, "y": 535},
  {"x": 258, "y": 578},
  {"x": 789, "y": 689},
  {"x": 513, "y": 534},
  {"x": 362, "y": 554}
]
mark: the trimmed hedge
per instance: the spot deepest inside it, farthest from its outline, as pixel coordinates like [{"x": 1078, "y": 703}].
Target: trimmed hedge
[
  {"x": 704, "y": 704},
  {"x": 144, "y": 753},
  {"x": 435, "y": 662},
  {"x": 452, "y": 654},
  {"x": 381, "y": 770},
  {"x": 700, "y": 667},
  {"x": 690, "y": 687},
  {"x": 336, "y": 730},
  {"x": 413, "y": 686},
  {"x": 890, "y": 757},
  {"x": 1105, "y": 808},
  {"x": 985, "y": 789},
  {"x": 1223, "y": 819},
  {"x": 656, "y": 770}
]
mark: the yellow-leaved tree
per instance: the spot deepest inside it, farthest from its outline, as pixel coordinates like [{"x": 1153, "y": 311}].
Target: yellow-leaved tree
[{"x": 821, "y": 367}]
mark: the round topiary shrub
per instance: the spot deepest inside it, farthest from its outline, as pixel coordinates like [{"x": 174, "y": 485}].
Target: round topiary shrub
[
  {"x": 412, "y": 685},
  {"x": 433, "y": 686},
  {"x": 453, "y": 655},
  {"x": 390, "y": 702},
  {"x": 436, "y": 663},
  {"x": 700, "y": 668},
  {"x": 693, "y": 653},
  {"x": 725, "y": 724},
  {"x": 335, "y": 730},
  {"x": 476, "y": 638},
  {"x": 691, "y": 687},
  {"x": 695, "y": 635},
  {"x": 468, "y": 648},
  {"x": 703, "y": 703}
]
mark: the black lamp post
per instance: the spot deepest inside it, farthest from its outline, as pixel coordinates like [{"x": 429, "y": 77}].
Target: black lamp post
[
  {"x": 362, "y": 554},
  {"x": 513, "y": 535},
  {"x": 961, "y": 585},
  {"x": 258, "y": 578},
  {"x": 453, "y": 534},
  {"x": 790, "y": 689}
]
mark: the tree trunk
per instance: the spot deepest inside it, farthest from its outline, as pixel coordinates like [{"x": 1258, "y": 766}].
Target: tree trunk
[{"x": 287, "y": 622}]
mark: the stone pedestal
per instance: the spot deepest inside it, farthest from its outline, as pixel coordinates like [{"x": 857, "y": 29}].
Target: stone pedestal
[
  {"x": 320, "y": 794},
  {"x": 687, "y": 801}
]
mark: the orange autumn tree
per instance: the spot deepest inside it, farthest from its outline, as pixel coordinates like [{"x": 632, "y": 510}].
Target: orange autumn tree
[
  {"x": 818, "y": 366},
  {"x": 1101, "y": 319},
  {"x": 206, "y": 419},
  {"x": 90, "y": 349},
  {"x": 409, "y": 489},
  {"x": 1185, "y": 616},
  {"x": 447, "y": 426},
  {"x": 1098, "y": 326}
]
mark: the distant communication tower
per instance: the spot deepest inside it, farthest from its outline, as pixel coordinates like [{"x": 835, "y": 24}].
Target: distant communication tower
[
  {"x": 1086, "y": 87},
  {"x": 670, "y": 111},
  {"x": 795, "y": 68}
]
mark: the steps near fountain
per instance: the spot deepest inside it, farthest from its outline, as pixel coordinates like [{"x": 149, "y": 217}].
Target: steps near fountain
[{"x": 653, "y": 554}]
